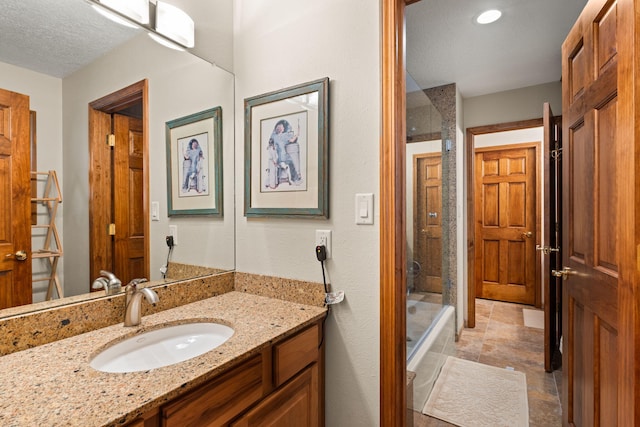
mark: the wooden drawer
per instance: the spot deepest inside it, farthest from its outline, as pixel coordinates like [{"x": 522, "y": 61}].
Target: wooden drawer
[
  {"x": 294, "y": 354},
  {"x": 221, "y": 400}
]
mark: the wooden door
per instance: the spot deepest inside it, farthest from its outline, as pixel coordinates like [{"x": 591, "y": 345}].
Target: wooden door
[
  {"x": 598, "y": 211},
  {"x": 506, "y": 223},
  {"x": 15, "y": 199},
  {"x": 552, "y": 243},
  {"x": 129, "y": 208},
  {"x": 427, "y": 222},
  {"x": 118, "y": 183},
  {"x": 100, "y": 194}
]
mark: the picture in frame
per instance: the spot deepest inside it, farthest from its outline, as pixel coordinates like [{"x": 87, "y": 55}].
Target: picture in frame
[
  {"x": 194, "y": 164},
  {"x": 286, "y": 163}
]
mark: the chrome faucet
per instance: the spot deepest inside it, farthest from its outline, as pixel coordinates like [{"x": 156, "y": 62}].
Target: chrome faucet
[
  {"x": 109, "y": 282},
  {"x": 133, "y": 310}
]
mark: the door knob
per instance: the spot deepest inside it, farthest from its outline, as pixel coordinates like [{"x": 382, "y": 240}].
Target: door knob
[
  {"x": 564, "y": 273},
  {"x": 19, "y": 256},
  {"x": 527, "y": 234},
  {"x": 547, "y": 249}
]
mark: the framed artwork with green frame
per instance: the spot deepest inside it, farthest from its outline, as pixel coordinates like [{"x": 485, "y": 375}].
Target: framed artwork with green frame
[
  {"x": 194, "y": 164},
  {"x": 286, "y": 152}
]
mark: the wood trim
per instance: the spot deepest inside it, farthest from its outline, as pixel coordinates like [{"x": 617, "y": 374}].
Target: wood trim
[
  {"x": 628, "y": 135},
  {"x": 469, "y": 159},
  {"x": 392, "y": 219}
]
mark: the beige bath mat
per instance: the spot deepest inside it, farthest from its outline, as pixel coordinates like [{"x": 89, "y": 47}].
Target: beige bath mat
[
  {"x": 533, "y": 318},
  {"x": 470, "y": 394}
]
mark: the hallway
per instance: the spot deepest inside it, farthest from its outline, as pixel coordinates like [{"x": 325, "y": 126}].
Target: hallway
[{"x": 501, "y": 339}]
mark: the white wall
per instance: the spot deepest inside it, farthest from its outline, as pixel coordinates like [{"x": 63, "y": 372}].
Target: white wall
[
  {"x": 283, "y": 43},
  {"x": 512, "y": 105},
  {"x": 45, "y": 98},
  {"x": 179, "y": 84}
]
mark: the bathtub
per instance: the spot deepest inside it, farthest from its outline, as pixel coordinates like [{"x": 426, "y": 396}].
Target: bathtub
[{"x": 430, "y": 350}]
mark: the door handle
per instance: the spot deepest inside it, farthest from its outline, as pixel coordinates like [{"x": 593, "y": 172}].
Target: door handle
[
  {"x": 433, "y": 214},
  {"x": 564, "y": 273},
  {"x": 527, "y": 234},
  {"x": 547, "y": 249},
  {"x": 19, "y": 256}
]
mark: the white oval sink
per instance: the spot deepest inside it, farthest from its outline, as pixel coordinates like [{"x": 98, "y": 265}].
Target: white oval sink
[{"x": 161, "y": 347}]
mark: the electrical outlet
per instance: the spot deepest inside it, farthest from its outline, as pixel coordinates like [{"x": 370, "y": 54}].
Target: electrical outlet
[
  {"x": 173, "y": 231},
  {"x": 323, "y": 237}
]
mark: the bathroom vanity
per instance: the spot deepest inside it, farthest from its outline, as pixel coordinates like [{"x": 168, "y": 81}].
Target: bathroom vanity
[{"x": 270, "y": 370}]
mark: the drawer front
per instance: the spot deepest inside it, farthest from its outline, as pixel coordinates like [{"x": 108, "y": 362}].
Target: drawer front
[
  {"x": 219, "y": 401},
  {"x": 294, "y": 354}
]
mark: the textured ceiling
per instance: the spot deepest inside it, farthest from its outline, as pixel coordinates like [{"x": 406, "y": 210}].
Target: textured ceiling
[
  {"x": 56, "y": 37},
  {"x": 522, "y": 49}
]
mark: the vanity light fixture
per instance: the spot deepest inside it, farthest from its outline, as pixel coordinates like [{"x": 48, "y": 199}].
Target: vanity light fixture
[
  {"x": 137, "y": 10},
  {"x": 167, "y": 24},
  {"x": 489, "y": 16},
  {"x": 174, "y": 24},
  {"x": 164, "y": 42}
]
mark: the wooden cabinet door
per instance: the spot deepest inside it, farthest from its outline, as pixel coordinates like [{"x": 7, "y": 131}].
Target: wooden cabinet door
[
  {"x": 15, "y": 199},
  {"x": 293, "y": 405}
]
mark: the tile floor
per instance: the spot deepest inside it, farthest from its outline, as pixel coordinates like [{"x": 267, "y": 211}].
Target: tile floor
[{"x": 501, "y": 339}]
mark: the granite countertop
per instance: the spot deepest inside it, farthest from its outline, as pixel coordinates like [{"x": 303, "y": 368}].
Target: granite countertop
[{"x": 54, "y": 385}]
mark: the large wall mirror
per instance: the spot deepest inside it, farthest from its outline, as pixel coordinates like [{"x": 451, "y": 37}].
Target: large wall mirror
[{"x": 179, "y": 84}]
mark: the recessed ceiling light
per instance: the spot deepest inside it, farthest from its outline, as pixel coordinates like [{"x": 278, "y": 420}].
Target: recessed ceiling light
[{"x": 489, "y": 16}]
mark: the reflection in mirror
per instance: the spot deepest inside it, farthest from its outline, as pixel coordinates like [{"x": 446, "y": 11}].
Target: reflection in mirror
[
  {"x": 424, "y": 213},
  {"x": 179, "y": 84},
  {"x": 431, "y": 122}
]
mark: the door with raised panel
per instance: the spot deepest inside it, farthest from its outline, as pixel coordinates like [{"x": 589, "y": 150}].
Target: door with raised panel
[
  {"x": 506, "y": 223},
  {"x": 15, "y": 199},
  {"x": 128, "y": 199},
  {"x": 598, "y": 258},
  {"x": 427, "y": 219}
]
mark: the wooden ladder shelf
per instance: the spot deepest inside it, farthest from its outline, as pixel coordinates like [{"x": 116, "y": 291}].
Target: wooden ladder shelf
[{"x": 51, "y": 250}]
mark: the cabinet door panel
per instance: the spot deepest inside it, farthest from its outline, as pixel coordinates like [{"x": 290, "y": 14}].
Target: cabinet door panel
[{"x": 293, "y": 405}]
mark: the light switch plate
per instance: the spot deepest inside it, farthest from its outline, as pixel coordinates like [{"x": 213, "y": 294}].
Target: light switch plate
[
  {"x": 155, "y": 211},
  {"x": 364, "y": 208}
]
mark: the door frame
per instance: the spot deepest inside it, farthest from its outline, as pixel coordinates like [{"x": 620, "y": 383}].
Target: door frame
[
  {"x": 393, "y": 255},
  {"x": 117, "y": 101},
  {"x": 469, "y": 160}
]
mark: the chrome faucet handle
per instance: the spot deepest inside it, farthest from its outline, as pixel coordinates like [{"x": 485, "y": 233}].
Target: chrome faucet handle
[
  {"x": 111, "y": 287},
  {"x": 100, "y": 283}
]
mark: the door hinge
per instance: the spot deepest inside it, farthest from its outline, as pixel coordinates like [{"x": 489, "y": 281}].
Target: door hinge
[
  {"x": 111, "y": 230},
  {"x": 111, "y": 140}
]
